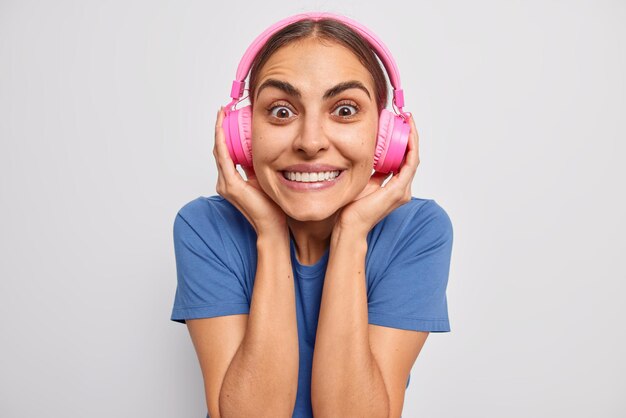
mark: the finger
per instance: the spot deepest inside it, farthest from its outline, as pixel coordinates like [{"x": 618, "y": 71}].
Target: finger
[
  {"x": 220, "y": 139},
  {"x": 413, "y": 145},
  {"x": 217, "y": 123},
  {"x": 379, "y": 203}
]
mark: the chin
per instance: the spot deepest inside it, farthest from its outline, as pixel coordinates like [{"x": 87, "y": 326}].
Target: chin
[
  {"x": 311, "y": 218},
  {"x": 308, "y": 212}
]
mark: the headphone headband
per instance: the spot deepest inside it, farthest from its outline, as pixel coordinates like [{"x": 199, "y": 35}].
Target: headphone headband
[{"x": 379, "y": 47}]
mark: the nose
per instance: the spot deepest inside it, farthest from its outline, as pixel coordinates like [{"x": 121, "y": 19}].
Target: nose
[{"x": 311, "y": 137}]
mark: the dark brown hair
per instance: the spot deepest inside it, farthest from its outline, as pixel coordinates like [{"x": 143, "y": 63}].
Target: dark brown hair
[{"x": 323, "y": 29}]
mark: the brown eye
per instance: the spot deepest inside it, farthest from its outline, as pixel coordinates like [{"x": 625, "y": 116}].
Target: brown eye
[
  {"x": 281, "y": 112},
  {"x": 346, "y": 110}
]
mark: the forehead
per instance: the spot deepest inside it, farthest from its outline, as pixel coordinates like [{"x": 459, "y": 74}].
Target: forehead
[{"x": 313, "y": 64}]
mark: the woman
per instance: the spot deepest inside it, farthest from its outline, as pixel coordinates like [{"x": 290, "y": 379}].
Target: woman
[{"x": 310, "y": 289}]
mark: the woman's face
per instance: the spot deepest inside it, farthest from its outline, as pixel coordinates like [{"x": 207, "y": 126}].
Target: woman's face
[{"x": 304, "y": 116}]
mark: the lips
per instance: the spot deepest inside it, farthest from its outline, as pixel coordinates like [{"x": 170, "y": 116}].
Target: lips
[{"x": 312, "y": 168}]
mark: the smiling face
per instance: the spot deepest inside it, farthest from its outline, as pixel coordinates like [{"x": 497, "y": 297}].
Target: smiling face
[{"x": 314, "y": 112}]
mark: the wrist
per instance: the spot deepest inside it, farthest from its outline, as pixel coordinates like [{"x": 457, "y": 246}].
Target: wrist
[
  {"x": 348, "y": 234},
  {"x": 273, "y": 237}
]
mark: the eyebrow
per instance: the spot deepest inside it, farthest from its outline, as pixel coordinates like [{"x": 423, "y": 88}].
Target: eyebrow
[{"x": 331, "y": 92}]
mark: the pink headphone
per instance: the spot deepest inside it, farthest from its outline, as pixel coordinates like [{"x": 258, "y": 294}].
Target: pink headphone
[{"x": 393, "y": 129}]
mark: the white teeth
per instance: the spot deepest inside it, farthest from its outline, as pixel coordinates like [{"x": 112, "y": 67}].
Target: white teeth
[{"x": 310, "y": 177}]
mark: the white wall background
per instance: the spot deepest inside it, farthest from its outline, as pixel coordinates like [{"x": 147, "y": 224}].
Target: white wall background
[{"x": 106, "y": 117}]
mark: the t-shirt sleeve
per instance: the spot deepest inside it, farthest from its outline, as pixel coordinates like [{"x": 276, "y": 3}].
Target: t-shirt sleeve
[
  {"x": 411, "y": 292},
  {"x": 206, "y": 286}
]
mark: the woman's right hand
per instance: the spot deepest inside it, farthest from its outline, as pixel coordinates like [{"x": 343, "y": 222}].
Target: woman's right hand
[{"x": 262, "y": 212}]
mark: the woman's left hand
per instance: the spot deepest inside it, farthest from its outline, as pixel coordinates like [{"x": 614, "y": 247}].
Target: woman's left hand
[{"x": 375, "y": 202}]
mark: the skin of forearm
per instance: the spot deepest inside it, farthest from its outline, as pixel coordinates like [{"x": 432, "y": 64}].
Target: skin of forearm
[
  {"x": 262, "y": 379},
  {"x": 346, "y": 381}
]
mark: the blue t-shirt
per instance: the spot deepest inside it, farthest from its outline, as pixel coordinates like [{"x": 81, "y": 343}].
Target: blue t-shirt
[{"x": 406, "y": 268}]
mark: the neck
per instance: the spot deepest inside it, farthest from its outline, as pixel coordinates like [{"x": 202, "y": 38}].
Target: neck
[{"x": 311, "y": 238}]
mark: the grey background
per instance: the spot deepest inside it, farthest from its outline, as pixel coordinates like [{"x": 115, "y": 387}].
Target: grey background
[{"x": 107, "y": 112}]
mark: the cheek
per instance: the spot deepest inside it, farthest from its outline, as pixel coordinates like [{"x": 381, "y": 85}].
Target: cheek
[
  {"x": 265, "y": 144},
  {"x": 360, "y": 146}
]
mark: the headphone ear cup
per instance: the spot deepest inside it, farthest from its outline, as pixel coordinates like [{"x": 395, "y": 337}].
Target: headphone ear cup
[
  {"x": 391, "y": 145},
  {"x": 245, "y": 133},
  {"x": 237, "y": 132},
  {"x": 384, "y": 120}
]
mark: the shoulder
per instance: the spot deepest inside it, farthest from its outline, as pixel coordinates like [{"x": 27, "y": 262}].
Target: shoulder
[
  {"x": 211, "y": 210},
  {"x": 208, "y": 207},
  {"x": 418, "y": 216},
  {"x": 208, "y": 216},
  {"x": 431, "y": 217},
  {"x": 417, "y": 227}
]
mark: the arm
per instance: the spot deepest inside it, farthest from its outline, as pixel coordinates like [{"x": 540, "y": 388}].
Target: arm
[
  {"x": 346, "y": 380},
  {"x": 355, "y": 372},
  {"x": 262, "y": 378},
  {"x": 263, "y": 375}
]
